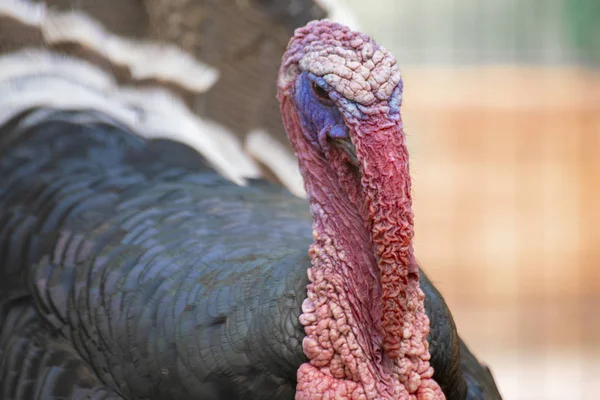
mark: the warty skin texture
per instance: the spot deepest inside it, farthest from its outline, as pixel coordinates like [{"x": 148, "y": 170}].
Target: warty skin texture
[{"x": 364, "y": 315}]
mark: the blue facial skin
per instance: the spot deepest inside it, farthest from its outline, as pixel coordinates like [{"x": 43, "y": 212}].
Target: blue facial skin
[
  {"x": 322, "y": 114},
  {"x": 396, "y": 101},
  {"x": 319, "y": 114}
]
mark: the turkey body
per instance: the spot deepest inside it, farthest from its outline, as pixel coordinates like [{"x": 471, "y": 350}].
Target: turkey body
[{"x": 131, "y": 270}]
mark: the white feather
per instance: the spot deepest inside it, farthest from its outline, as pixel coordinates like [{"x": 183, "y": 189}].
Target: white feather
[
  {"x": 144, "y": 59},
  {"x": 25, "y": 11},
  {"x": 35, "y": 77},
  {"x": 267, "y": 150},
  {"x": 162, "y": 111}
]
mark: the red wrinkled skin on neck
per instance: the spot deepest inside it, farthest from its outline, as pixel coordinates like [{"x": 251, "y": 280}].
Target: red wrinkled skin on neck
[
  {"x": 364, "y": 316},
  {"x": 382, "y": 152}
]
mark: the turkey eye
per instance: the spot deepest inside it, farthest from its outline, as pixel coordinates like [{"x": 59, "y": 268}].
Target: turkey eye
[{"x": 321, "y": 94}]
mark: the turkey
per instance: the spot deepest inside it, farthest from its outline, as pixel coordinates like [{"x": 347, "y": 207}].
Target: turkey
[{"x": 131, "y": 269}]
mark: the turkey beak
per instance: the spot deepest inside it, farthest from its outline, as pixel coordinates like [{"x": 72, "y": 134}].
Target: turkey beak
[
  {"x": 348, "y": 147},
  {"x": 338, "y": 134}
]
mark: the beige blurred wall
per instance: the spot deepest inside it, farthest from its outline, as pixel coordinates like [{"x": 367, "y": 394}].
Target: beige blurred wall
[{"x": 506, "y": 169}]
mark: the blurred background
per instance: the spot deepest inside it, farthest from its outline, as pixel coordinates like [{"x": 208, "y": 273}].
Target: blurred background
[{"x": 502, "y": 112}]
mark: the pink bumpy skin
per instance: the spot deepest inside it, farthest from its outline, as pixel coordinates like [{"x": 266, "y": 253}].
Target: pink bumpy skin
[{"x": 364, "y": 315}]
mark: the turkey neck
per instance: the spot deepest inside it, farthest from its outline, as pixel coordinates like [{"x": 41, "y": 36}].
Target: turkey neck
[
  {"x": 387, "y": 214},
  {"x": 364, "y": 314},
  {"x": 363, "y": 230}
]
